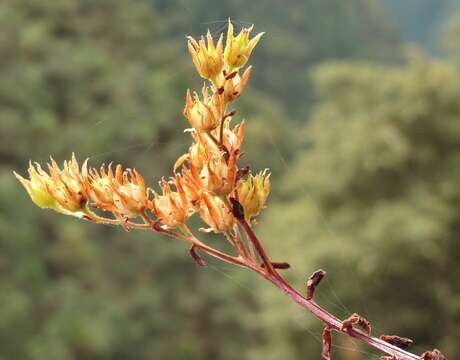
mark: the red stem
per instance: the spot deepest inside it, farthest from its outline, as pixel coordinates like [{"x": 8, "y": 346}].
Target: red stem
[
  {"x": 258, "y": 246},
  {"x": 269, "y": 273},
  {"x": 336, "y": 324},
  {"x": 156, "y": 226},
  {"x": 332, "y": 322},
  {"x": 220, "y": 255}
]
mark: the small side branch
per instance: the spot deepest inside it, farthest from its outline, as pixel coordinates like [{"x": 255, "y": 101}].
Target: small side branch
[
  {"x": 313, "y": 282},
  {"x": 401, "y": 342},
  {"x": 194, "y": 255},
  {"x": 356, "y": 320},
  {"x": 327, "y": 343},
  {"x": 278, "y": 265},
  {"x": 238, "y": 213},
  {"x": 255, "y": 242}
]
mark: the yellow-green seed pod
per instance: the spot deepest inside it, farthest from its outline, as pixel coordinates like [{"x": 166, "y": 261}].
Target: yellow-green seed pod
[
  {"x": 253, "y": 193},
  {"x": 37, "y": 188},
  {"x": 239, "y": 48}
]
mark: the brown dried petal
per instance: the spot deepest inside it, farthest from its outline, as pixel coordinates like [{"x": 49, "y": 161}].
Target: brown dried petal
[
  {"x": 278, "y": 265},
  {"x": 327, "y": 343},
  {"x": 313, "y": 281},
  {"x": 356, "y": 320},
  {"x": 435, "y": 354},
  {"x": 398, "y": 341}
]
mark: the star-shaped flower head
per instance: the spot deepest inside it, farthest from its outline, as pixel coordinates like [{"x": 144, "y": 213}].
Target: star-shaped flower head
[
  {"x": 63, "y": 190},
  {"x": 208, "y": 59},
  {"x": 239, "y": 48}
]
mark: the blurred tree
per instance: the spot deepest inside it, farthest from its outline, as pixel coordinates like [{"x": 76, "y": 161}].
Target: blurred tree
[
  {"x": 374, "y": 197},
  {"x": 422, "y": 21},
  {"x": 452, "y": 38}
]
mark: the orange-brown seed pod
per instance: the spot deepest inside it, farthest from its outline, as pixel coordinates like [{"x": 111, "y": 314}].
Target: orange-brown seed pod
[
  {"x": 239, "y": 48},
  {"x": 129, "y": 192},
  {"x": 206, "y": 114},
  {"x": 253, "y": 192},
  {"x": 215, "y": 214},
  {"x": 234, "y": 85},
  {"x": 170, "y": 207},
  {"x": 218, "y": 174}
]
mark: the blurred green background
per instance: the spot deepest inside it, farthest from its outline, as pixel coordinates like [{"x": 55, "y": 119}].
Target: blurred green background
[{"x": 355, "y": 107}]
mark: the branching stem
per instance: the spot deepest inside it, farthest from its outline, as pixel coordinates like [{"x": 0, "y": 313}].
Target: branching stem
[
  {"x": 269, "y": 273},
  {"x": 334, "y": 323},
  {"x": 258, "y": 246},
  {"x": 327, "y": 318}
]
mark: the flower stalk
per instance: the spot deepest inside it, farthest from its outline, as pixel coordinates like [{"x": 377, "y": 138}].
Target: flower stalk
[{"x": 207, "y": 182}]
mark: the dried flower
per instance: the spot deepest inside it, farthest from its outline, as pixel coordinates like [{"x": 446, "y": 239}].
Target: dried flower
[
  {"x": 234, "y": 85},
  {"x": 239, "y": 48},
  {"x": 209, "y": 182},
  {"x": 198, "y": 151},
  {"x": 233, "y": 138},
  {"x": 64, "y": 191},
  {"x": 130, "y": 195},
  {"x": 69, "y": 187},
  {"x": 101, "y": 187},
  {"x": 191, "y": 185},
  {"x": 215, "y": 213},
  {"x": 253, "y": 192},
  {"x": 208, "y": 59},
  {"x": 356, "y": 320},
  {"x": 401, "y": 342},
  {"x": 37, "y": 187},
  {"x": 123, "y": 192},
  {"x": 204, "y": 115},
  {"x": 171, "y": 207},
  {"x": 218, "y": 175},
  {"x": 435, "y": 354}
]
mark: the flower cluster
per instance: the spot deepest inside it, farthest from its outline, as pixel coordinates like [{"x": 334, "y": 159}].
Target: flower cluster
[
  {"x": 205, "y": 178},
  {"x": 207, "y": 181},
  {"x": 71, "y": 190}
]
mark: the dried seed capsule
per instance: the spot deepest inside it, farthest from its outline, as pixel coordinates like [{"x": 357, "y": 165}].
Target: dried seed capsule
[
  {"x": 239, "y": 48},
  {"x": 253, "y": 192}
]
